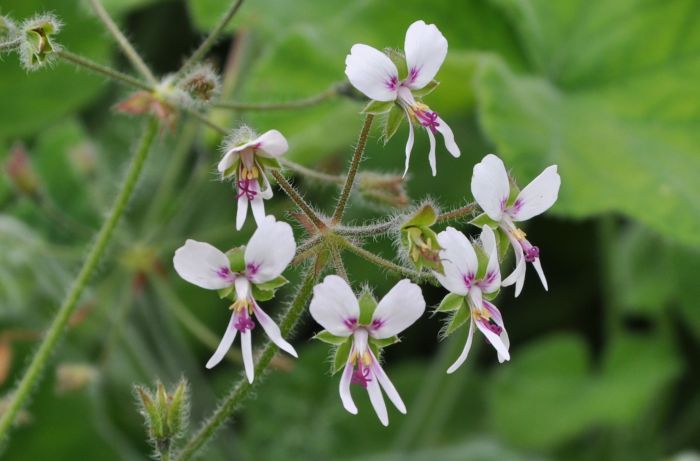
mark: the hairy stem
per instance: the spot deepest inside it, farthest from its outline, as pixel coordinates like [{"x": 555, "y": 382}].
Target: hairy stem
[
  {"x": 337, "y": 261},
  {"x": 297, "y": 104},
  {"x": 206, "y": 45},
  {"x": 298, "y": 199},
  {"x": 457, "y": 213},
  {"x": 352, "y": 171},
  {"x": 105, "y": 71},
  {"x": 11, "y": 44},
  {"x": 55, "y": 331},
  {"x": 312, "y": 174},
  {"x": 123, "y": 42},
  {"x": 204, "y": 119},
  {"x": 243, "y": 388},
  {"x": 384, "y": 263}
]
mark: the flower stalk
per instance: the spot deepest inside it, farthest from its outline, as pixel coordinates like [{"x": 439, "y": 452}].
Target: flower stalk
[{"x": 310, "y": 101}]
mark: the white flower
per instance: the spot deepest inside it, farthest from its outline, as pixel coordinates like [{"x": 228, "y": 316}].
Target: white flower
[
  {"x": 335, "y": 307},
  {"x": 269, "y": 251},
  {"x": 242, "y": 157},
  {"x": 461, "y": 266},
  {"x": 491, "y": 190},
  {"x": 374, "y": 74}
]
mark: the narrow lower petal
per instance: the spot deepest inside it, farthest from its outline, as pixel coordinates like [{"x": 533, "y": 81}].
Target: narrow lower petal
[
  {"x": 224, "y": 345},
  {"x": 273, "y": 331},
  {"x": 409, "y": 143},
  {"x": 431, "y": 154},
  {"x": 495, "y": 340},
  {"x": 516, "y": 277},
  {"x": 465, "y": 352},
  {"x": 449, "y": 138},
  {"x": 377, "y": 400},
  {"x": 492, "y": 279},
  {"x": 247, "y": 351},
  {"x": 241, "y": 212},
  {"x": 266, "y": 189},
  {"x": 538, "y": 267},
  {"x": 345, "y": 395},
  {"x": 387, "y": 385},
  {"x": 258, "y": 207}
]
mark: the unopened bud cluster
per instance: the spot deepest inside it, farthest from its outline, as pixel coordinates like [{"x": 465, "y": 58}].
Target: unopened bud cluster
[
  {"x": 420, "y": 240},
  {"x": 165, "y": 413}
]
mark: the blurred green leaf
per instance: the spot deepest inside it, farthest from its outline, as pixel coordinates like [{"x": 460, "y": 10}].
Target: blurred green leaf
[
  {"x": 616, "y": 111},
  {"x": 31, "y": 101}
]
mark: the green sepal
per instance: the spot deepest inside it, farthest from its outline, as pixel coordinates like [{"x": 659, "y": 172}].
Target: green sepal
[
  {"x": 230, "y": 171},
  {"x": 178, "y": 408},
  {"x": 329, "y": 338},
  {"x": 367, "y": 306},
  {"x": 378, "y": 107},
  {"x": 236, "y": 259},
  {"x": 451, "y": 302},
  {"x": 376, "y": 350},
  {"x": 392, "y": 123},
  {"x": 502, "y": 242},
  {"x": 382, "y": 343},
  {"x": 513, "y": 192},
  {"x": 426, "y": 90},
  {"x": 425, "y": 216},
  {"x": 267, "y": 162},
  {"x": 458, "y": 319},
  {"x": 482, "y": 260},
  {"x": 225, "y": 292},
  {"x": 342, "y": 353},
  {"x": 273, "y": 284},
  {"x": 484, "y": 220},
  {"x": 262, "y": 295},
  {"x": 491, "y": 296},
  {"x": 399, "y": 60}
]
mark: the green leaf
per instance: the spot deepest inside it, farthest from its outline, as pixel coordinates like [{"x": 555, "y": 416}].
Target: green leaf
[
  {"x": 378, "y": 107},
  {"x": 367, "y": 306},
  {"x": 451, "y": 302},
  {"x": 342, "y": 352},
  {"x": 579, "y": 106},
  {"x": 329, "y": 338},
  {"x": 273, "y": 284},
  {"x": 392, "y": 123},
  {"x": 458, "y": 318}
]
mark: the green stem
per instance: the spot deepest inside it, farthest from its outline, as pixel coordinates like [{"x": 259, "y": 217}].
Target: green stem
[
  {"x": 384, "y": 263},
  {"x": 312, "y": 174},
  {"x": 298, "y": 199},
  {"x": 55, "y": 331},
  {"x": 457, "y": 213},
  {"x": 298, "y": 104},
  {"x": 338, "y": 265},
  {"x": 206, "y": 45},
  {"x": 123, "y": 42},
  {"x": 354, "y": 165},
  {"x": 105, "y": 71},
  {"x": 203, "y": 118},
  {"x": 243, "y": 388},
  {"x": 10, "y": 45}
]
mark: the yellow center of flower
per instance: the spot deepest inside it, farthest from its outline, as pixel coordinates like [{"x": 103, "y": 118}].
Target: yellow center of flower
[
  {"x": 249, "y": 173},
  {"x": 518, "y": 234}
]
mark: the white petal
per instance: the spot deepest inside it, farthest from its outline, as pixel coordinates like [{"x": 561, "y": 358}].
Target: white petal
[
  {"x": 492, "y": 279},
  {"x": 228, "y": 159},
  {"x": 475, "y": 298},
  {"x": 258, "y": 207},
  {"x": 518, "y": 274},
  {"x": 387, "y": 385},
  {"x": 266, "y": 191},
  {"x": 465, "y": 352},
  {"x": 538, "y": 196},
  {"x": 372, "y": 72},
  {"x": 431, "y": 154},
  {"x": 458, "y": 260},
  {"x": 271, "y": 144},
  {"x": 449, "y": 138},
  {"x": 496, "y": 341},
  {"x": 203, "y": 265},
  {"x": 490, "y": 186},
  {"x": 397, "y": 310},
  {"x": 273, "y": 331},
  {"x": 269, "y": 250},
  {"x": 426, "y": 49},
  {"x": 538, "y": 267},
  {"x": 334, "y": 306},
  {"x": 409, "y": 142},
  {"x": 242, "y": 211},
  {"x": 498, "y": 318},
  {"x": 247, "y": 352},
  {"x": 224, "y": 345},
  {"x": 377, "y": 400},
  {"x": 242, "y": 288},
  {"x": 345, "y": 394}
]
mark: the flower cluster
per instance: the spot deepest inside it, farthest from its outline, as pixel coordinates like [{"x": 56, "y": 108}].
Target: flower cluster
[{"x": 357, "y": 325}]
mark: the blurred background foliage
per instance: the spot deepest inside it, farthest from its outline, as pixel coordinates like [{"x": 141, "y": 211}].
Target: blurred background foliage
[{"x": 605, "y": 365}]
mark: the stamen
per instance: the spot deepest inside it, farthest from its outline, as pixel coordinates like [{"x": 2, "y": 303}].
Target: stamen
[
  {"x": 361, "y": 376},
  {"x": 532, "y": 253},
  {"x": 248, "y": 188},
  {"x": 492, "y": 326},
  {"x": 426, "y": 117},
  {"x": 244, "y": 323}
]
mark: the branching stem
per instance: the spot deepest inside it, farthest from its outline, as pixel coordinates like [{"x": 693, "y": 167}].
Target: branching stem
[
  {"x": 294, "y": 195},
  {"x": 105, "y": 71}
]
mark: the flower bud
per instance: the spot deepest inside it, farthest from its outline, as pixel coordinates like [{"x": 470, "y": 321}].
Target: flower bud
[
  {"x": 83, "y": 159},
  {"x": 383, "y": 189},
  {"x": 20, "y": 172},
  {"x": 37, "y": 47},
  {"x": 201, "y": 85},
  {"x": 420, "y": 240},
  {"x": 165, "y": 413},
  {"x": 143, "y": 102},
  {"x": 71, "y": 377}
]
